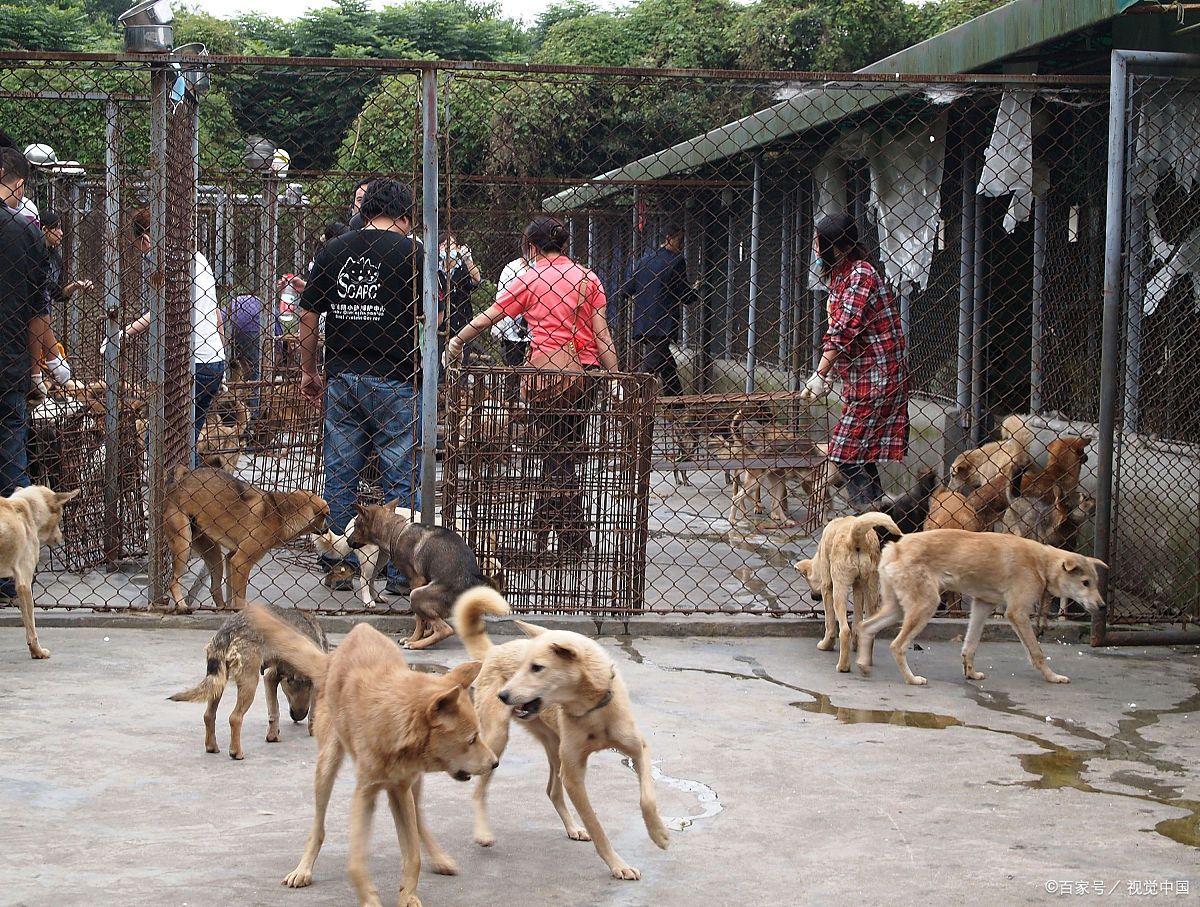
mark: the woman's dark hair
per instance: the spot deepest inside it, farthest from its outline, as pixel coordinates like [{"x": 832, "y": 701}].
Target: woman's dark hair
[
  {"x": 333, "y": 230},
  {"x": 386, "y": 198},
  {"x": 139, "y": 223},
  {"x": 837, "y": 240},
  {"x": 50, "y": 220},
  {"x": 547, "y": 233}
]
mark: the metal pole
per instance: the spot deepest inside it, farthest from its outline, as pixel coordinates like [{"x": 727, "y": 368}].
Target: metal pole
[
  {"x": 979, "y": 301},
  {"x": 966, "y": 289},
  {"x": 195, "y": 244},
  {"x": 730, "y": 274},
  {"x": 796, "y": 288},
  {"x": 221, "y": 262},
  {"x": 1111, "y": 337},
  {"x": 1133, "y": 313},
  {"x": 429, "y": 294},
  {"x": 785, "y": 278},
  {"x": 112, "y": 307},
  {"x": 73, "y": 309},
  {"x": 161, "y": 78},
  {"x": 905, "y": 315},
  {"x": 755, "y": 238},
  {"x": 270, "y": 267},
  {"x": 591, "y": 242},
  {"x": 1037, "y": 317}
]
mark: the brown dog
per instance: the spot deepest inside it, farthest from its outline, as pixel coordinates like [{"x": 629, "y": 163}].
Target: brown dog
[
  {"x": 29, "y": 518},
  {"x": 993, "y": 569},
  {"x": 566, "y": 690},
  {"x": 238, "y": 651},
  {"x": 974, "y": 512},
  {"x": 1060, "y": 477},
  {"x": 212, "y": 512},
  {"x": 847, "y": 560},
  {"x": 395, "y": 724},
  {"x": 977, "y": 467},
  {"x": 221, "y": 441},
  {"x": 436, "y": 560}
]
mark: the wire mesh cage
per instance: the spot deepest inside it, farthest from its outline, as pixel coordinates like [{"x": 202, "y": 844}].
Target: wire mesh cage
[{"x": 956, "y": 336}]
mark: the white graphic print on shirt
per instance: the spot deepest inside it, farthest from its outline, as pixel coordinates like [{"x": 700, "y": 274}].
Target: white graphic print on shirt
[{"x": 358, "y": 291}]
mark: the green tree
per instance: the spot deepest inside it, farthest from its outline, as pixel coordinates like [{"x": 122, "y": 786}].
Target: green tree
[
  {"x": 44, "y": 25},
  {"x": 219, "y": 36}
]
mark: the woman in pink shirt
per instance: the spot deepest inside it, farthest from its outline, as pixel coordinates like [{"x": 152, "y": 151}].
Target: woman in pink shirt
[{"x": 563, "y": 303}]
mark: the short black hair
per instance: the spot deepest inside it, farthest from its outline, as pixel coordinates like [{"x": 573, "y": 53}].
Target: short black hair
[
  {"x": 13, "y": 165},
  {"x": 672, "y": 228},
  {"x": 387, "y": 198},
  {"x": 365, "y": 181},
  {"x": 50, "y": 220},
  {"x": 839, "y": 233},
  {"x": 334, "y": 229}
]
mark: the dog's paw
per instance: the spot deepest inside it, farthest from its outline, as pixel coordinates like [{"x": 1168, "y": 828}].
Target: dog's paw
[
  {"x": 239, "y": 755},
  {"x": 273, "y": 737},
  {"x": 1058, "y": 678},
  {"x": 917, "y": 680},
  {"x": 298, "y": 878},
  {"x": 627, "y": 873},
  {"x": 37, "y": 653},
  {"x": 660, "y": 837},
  {"x": 485, "y": 840},
  {"x": 864, "y": 668},
  {"x": 578, "y": 834},
  {"x": 975, "y": 675},
  {"x": 211, "y": 748},
  {"x": 825, "y": 644},
  {"x": 443, "y": 866},
  {"x": 409, "y": 900}
]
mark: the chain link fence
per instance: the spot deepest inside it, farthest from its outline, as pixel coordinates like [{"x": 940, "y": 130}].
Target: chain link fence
[{"x": 677, "y": 224}]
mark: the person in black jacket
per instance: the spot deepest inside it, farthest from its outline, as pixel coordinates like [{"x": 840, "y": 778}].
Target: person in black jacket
[{"x": 659, "y": 288}]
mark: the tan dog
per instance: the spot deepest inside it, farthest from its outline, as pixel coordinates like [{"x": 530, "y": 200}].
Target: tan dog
[
  {"x": 974, "y": 512},
  {"x": 395, "y": 724},
  {"x": 212, "y": 512},
  {"x": 977, "y": 467},
  {"x": 29, "y": 518},
  {"x": 992, "y": 569},
  {"x": 238, "y": 651},
  {"x": 220, "y": 442},
  {"x": 847, "y": 561},
  {"x": 567, "y": 692}
]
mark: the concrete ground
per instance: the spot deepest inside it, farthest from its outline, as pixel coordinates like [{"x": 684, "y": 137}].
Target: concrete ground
[{"x": 785, "y": 783}]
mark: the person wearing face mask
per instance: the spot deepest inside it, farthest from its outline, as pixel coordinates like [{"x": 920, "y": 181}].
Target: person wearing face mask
[{"x": 864, "y": 347}]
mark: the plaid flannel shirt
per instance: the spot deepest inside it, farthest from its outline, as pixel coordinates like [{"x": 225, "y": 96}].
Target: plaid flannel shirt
[{"x": 864, "y": 326}]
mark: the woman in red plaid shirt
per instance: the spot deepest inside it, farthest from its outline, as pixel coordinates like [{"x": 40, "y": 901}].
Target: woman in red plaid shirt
[{"x": 864, "y": 346}]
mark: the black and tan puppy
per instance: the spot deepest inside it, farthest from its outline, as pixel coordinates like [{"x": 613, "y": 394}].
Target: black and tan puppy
[
  {"x": 436, "y": 560},
  {"x": 238, "y": 651}
]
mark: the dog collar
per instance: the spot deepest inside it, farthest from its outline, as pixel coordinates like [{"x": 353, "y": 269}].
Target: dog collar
[{"x": 604, "y": 700}]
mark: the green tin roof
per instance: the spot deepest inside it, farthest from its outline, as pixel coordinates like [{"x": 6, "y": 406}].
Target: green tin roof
[{"x": 970, "y": 47}]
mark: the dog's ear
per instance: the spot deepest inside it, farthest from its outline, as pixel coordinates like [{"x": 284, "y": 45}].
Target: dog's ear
[
  {"x": 566, "y": 653},
  {"x": 464, "y": 675},
  {"x": 61, "y": 497},
  {"x": 804, "y": 566},
  {"x": 360, "y": 509},
  {"x": 390, "y": 506},
  {"x": 444, "y": 703},
  {"x": 1070, "y": 567},
  {"x": 1098, "y": 562},
  {"x": 530, "y": 630}
]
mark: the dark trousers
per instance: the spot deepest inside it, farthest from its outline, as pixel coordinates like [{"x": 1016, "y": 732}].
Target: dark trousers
[
  {"x": 657, "y": 359},
  {"x": 208, "y": 386},
  {"x": 514, "y": 353},
  {"x": 14, "y": 431},
  {"x": 862, "y": 483}
]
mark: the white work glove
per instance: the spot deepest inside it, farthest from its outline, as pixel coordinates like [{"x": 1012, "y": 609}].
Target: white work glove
[
  {"x": 453, "y": 354},
  {"x": 816, "y": 387},
  {"x": 59, "y": 369}
]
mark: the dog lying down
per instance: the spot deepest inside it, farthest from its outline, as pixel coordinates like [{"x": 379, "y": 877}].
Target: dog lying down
[
  {"x": 395, "y": 724},
  {"x": 566, "y": 691},
  {"x": 237, "y": 651},
  {"x": 994, "y": 570}
]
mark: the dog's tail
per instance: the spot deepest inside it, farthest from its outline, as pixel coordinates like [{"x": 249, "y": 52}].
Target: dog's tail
[
  {"x": 867, "y": 522},
  {"x": 211, "y": 687},
  {"x": 468, "y": 621},
  {"x": 290, "y": 644}
]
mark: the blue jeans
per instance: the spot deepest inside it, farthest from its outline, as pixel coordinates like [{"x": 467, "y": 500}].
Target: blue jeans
[
  {"x": 207, "y": 387},
  {"x": 14, "y": 462},
  {"x": 364, "y": 412}
]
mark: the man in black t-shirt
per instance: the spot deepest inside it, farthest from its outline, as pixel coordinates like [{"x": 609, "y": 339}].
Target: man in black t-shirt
[{"x": 367, "y": 284}]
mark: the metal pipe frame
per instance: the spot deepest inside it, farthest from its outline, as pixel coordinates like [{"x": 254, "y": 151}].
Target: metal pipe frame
[
  {"x": 112, "y": 307},
  {"x": 755, "y": 243},
  {"x": 161, "y": 78},
  {"x": 1114, "y": 237},
  {"x": 978, "y": 320},
  {"x": 966, "y": 288},
  {"x": 429, "y": 294},
  {"x": 1041, "y": 214}
]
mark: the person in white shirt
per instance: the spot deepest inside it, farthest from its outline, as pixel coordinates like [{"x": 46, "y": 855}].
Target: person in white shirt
[
  {"x": 513, "y": 333},
  {"x": 208, "y": 345}
]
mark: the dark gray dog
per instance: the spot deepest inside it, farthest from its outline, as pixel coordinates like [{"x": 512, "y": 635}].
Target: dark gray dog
[
  {"x": 238, "y": 651},
  {"x": 436, "y": 560}
]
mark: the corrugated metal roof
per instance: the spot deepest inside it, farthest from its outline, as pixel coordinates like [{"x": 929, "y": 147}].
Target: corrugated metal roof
[{"x": 981, "y": 42}]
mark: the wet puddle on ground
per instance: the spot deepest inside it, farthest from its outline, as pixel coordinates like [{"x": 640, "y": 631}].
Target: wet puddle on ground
[
  {"x": 1054, "y": 768},
  {"x": 710, "y": 803}
]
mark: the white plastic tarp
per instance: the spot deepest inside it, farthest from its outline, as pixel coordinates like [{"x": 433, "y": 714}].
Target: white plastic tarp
[{"x": 1008, "y": 159}]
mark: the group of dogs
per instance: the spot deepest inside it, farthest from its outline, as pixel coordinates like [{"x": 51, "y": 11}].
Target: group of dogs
[
  {"x": 1026, "y": 486},
  {"x": 362, "y": 700}
]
